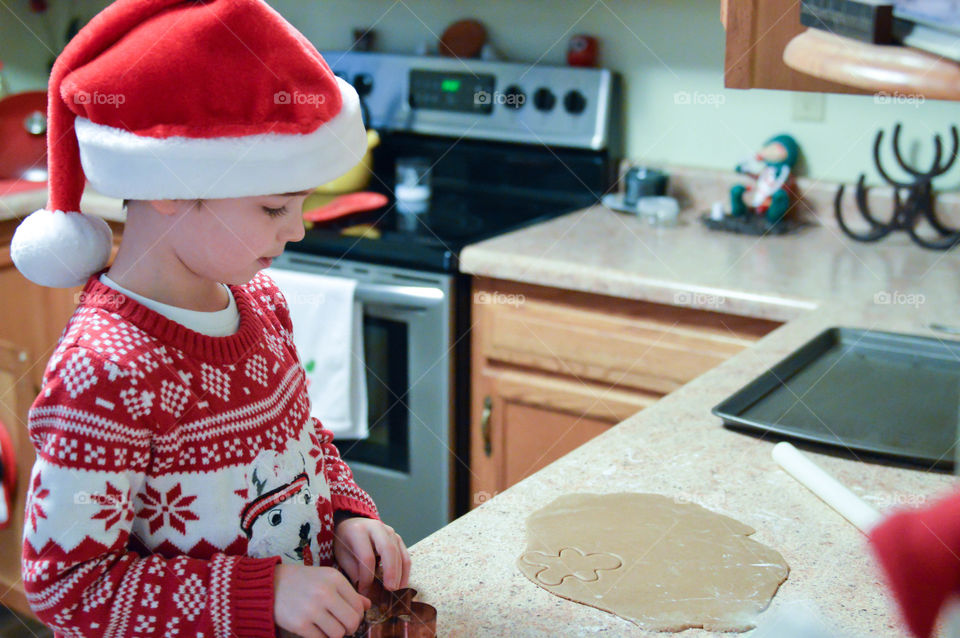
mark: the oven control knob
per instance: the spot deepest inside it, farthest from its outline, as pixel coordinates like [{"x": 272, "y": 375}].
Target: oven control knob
[
  {"x": 363, "y": 83},
  {"x": 514, "y": 97},
  {"x": 574, "y": 102},
  {"x": 544, "y": 99}
]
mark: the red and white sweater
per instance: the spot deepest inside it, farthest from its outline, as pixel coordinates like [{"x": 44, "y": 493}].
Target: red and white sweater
[{"x": 174, "y": 470}]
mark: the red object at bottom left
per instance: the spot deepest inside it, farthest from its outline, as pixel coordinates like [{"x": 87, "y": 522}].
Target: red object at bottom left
[
  {"x": 8, "y": 475},
  {"x": 918, "y": 552}
]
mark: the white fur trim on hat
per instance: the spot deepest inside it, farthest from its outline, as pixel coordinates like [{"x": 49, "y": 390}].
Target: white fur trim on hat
[
  {"x": 60, "y": 250},
  {"x": 122, "y": 164}
]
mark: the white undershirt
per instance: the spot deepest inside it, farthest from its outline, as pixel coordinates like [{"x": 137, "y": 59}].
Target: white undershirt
[{"x": 219, "y": 323}]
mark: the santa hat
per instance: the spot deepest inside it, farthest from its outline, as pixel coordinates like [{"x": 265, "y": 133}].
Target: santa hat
[
  {"x": 181, "y": 99},
  {"x": 918, "y": 551}
]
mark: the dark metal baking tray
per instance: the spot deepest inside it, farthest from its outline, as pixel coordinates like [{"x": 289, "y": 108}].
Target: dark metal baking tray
[{"x": 861, "y": 390}]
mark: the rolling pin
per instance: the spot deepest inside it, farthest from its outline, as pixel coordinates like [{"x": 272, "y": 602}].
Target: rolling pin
[
  {"x": 851, "y": 507},
  {"x": 830, "y": 490}
]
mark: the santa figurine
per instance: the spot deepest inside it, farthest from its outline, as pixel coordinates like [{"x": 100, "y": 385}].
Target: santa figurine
[{"x": 774, "y": 188}]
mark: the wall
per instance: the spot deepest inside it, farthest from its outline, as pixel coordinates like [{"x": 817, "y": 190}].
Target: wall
[{"x": 662, "y": 48}]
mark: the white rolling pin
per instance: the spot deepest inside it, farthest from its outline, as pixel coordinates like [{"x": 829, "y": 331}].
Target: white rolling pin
[
  {"x": 830, "y": 490},
  {"x": 851, "y": 507}
]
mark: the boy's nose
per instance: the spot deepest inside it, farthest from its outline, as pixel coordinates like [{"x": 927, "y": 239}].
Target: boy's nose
[{"x": 293, "y": 230}]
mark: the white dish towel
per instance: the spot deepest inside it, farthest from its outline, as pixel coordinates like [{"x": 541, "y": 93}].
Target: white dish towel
[{"x": 328, "y": 333}]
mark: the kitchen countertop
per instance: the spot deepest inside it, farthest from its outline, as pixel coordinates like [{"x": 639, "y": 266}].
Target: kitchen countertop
[
  {"x": 19, "y": 205},
  {"x": 676, "y": 447},
  {"x": 602, "y": 251}
]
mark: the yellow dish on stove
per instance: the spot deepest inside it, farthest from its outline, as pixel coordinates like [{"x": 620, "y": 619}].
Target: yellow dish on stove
[
  {"x": 357, "y": 178},
  {"x": 366, "y": 231}
]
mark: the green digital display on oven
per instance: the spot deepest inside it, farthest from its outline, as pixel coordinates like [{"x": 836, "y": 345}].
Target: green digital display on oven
[{"x": 451, "y": 91}]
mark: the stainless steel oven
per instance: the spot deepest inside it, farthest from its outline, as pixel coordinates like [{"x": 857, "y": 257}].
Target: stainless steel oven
[
  {"x": 405, "y": 463},
  {"x": 508, "y": 145}
]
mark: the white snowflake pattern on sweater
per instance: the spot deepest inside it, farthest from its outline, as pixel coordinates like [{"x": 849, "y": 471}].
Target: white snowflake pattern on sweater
[{"x": 174, "y": 470}]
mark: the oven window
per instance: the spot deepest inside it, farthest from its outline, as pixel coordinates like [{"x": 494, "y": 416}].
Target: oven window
[{"x": 385, "y": 348}]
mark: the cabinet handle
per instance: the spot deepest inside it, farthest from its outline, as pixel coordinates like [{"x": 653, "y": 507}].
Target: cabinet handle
[{"x": 485, "y": 425}]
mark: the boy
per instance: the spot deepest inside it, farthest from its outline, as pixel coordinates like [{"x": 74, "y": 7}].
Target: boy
[{"x": 180, "y": 486}]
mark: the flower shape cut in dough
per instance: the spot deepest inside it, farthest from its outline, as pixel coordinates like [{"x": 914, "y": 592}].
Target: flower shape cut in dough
[{"x": 570, "y": 561}]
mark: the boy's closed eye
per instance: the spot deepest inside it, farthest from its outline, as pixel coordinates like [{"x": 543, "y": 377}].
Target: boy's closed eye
[{"x": 276, "y": 211}]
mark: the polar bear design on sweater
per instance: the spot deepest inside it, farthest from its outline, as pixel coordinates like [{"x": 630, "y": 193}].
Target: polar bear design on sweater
[{"x": 282, "y": 518}]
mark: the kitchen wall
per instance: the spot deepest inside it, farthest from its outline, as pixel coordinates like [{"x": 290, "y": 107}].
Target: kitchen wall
[{"x": 665, "y": 50}]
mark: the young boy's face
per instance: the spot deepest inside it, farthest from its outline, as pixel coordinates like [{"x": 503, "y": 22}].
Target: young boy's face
[{"x": 230, "y": 240}]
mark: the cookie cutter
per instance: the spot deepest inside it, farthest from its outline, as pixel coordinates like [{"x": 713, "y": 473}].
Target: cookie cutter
[{"x": 395, "y": 614}]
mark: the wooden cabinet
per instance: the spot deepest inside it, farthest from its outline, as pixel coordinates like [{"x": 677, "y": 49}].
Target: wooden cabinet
[
  {"x": 552, "y": 369},
  {"x": 32, "y": 322},
  {"x": 768, "y": 48},
  {"x": 34, "y": 316},
  {"x": 16, "y": 395},
  {"x": 757, "y": 33}
]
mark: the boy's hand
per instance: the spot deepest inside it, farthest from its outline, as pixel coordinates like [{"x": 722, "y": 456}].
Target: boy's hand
[
  {"x": 316, "y": 602},
  {"x": 357, "y": 544}
]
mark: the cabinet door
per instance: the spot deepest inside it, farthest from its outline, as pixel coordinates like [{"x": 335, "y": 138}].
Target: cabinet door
[
  {"x": 647, "y": 347},
  {"x": 757, "y": 33},
  {"x": 525, "y": 421},
  {"x": 16, "y": 395},
  {"x": 34, "y": 316},
  {"x": 33, "y": 320},
  {"x": 486, "y": 444}
]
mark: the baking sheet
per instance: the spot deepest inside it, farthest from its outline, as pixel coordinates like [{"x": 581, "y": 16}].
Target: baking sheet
[{"x": 861, "y": 391}]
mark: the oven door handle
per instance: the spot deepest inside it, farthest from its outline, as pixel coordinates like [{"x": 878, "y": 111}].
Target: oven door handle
[{"x": 414, "y": 296}]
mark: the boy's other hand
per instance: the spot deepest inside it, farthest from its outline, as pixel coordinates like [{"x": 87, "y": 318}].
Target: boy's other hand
[
  {"x": 316, "y": 602},
  {"x": 357, "y": 544}
]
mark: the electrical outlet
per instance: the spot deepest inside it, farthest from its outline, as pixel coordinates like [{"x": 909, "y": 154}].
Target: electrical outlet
[{"x": 808, "y": 107}]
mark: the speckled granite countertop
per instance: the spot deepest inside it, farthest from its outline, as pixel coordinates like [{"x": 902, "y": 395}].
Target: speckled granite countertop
[
  {"x": 676, "y": 447},
  {"x": 598, "y": 250}
]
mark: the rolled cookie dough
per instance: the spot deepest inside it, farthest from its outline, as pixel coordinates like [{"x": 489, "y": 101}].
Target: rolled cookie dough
[{"x": 661, "y": 564}]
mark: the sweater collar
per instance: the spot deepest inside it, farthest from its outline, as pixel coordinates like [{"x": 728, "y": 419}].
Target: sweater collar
[{"x": 215, "y": 350}]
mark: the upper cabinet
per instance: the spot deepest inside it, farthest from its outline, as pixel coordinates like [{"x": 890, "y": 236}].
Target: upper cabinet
[{"x": 768, "y": 48}]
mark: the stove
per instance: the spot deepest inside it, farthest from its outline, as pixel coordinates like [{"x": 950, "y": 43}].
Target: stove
[{"x": 508, "y": 145}]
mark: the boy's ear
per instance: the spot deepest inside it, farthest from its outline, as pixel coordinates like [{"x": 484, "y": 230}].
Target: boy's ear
[{"x": 163, "y": 206}]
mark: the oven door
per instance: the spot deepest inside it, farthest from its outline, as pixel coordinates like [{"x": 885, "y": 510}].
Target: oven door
[{"x": 404, "y": 464}]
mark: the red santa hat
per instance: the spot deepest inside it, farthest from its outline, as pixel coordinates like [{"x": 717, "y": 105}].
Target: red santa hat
[
  {"x": 918, "y": 551},
  {"x": 181, "y": 99}
]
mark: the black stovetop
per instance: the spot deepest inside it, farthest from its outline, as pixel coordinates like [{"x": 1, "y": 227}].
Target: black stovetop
[
  {"x": 480, "y": 190},
  {"x": 431, "y": 241}
]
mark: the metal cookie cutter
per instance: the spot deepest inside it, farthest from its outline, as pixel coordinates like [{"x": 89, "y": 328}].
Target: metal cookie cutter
[{"x": 394, "y": 614}]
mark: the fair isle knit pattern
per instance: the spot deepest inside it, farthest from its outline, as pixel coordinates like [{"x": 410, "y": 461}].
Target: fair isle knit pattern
[{"x": 174, "y": 470}]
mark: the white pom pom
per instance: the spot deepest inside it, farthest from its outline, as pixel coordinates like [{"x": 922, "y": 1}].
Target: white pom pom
[{"x": 60, "y": 250}]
